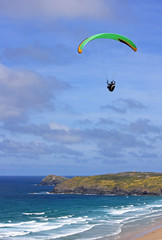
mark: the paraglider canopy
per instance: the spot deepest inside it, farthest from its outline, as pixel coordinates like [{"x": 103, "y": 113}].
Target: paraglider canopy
[
  {"x": 114, "y": 36},
  {"x": 117, "y": 37}
]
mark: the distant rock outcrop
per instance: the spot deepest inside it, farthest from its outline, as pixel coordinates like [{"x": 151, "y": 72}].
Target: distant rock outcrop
[
  {"x": 53, "y": 180},
  {"x": 127, "y": 183}
]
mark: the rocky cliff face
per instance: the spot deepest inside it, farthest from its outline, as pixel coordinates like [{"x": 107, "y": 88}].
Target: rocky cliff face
[
  {"x": 101, "y": 191},
  {"x": 130, "y": 183},
  {"x": 53, "y": 180}
]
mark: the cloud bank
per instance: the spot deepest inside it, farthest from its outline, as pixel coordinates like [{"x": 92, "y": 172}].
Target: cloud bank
[
  {"x": 50, "y": 9},
  {"x": 123, "y": 106},
  {"x": 23, "y": 92}
]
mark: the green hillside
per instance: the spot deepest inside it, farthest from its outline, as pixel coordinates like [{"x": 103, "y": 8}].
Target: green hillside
[{"x": 127, "y": 183}]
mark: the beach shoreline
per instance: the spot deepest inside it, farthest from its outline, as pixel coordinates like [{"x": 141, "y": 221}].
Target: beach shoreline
[{"x": 152, "y": 232}]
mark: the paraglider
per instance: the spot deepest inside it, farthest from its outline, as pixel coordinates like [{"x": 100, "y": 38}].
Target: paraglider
[
  {"x": 110, "y": 86},
  {"x": 117, "y": 37}
]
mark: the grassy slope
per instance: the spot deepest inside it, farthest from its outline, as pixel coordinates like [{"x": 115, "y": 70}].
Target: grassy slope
[{"x": 128, "y": 181}]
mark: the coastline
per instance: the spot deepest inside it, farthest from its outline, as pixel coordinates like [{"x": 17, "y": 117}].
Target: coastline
[
  {"x": 151, "y": 232},
  {"x": 73, "y": 216}
]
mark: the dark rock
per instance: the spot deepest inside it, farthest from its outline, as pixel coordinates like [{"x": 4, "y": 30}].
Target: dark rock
[{"x": 53, "y": 180}]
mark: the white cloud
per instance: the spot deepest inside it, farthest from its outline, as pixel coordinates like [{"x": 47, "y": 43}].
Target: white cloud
[
  {"x": 53, "y": 8},
  {"x": 52, "y": 132},
  {"x": 22, "y": 92},
  {"x": 32, "y": 149},
  {"x": 55, "y": 126}
]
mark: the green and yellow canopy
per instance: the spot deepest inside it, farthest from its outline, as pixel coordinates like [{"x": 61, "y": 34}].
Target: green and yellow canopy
[{"x": 114, "y": 36}]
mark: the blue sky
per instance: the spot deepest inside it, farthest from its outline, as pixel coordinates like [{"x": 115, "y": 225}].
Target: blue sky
[{"x": 56, "y": 115}]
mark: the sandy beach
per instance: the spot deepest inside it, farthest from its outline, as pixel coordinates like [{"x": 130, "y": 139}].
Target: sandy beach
[
  {"x": 151, "y": 233},
  {"x": 155, "y": 234}
]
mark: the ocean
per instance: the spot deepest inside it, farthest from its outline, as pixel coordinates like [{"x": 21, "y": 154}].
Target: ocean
[{"x": 29, "y": 211}]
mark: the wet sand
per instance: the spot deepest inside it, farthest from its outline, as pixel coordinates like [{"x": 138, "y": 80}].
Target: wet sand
[{"x": 152, "y": 234}]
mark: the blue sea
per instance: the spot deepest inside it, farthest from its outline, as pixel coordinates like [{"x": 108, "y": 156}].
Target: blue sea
[{"x": 29, "y": 211}]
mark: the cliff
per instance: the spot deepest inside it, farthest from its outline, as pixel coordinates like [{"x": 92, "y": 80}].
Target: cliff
[
  {"x": 127, "y": 183},
  {"x": 53, "y": 180}
]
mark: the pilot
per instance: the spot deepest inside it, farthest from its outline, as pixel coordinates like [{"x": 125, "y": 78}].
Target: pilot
[{"x": 111, "y": 85}]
